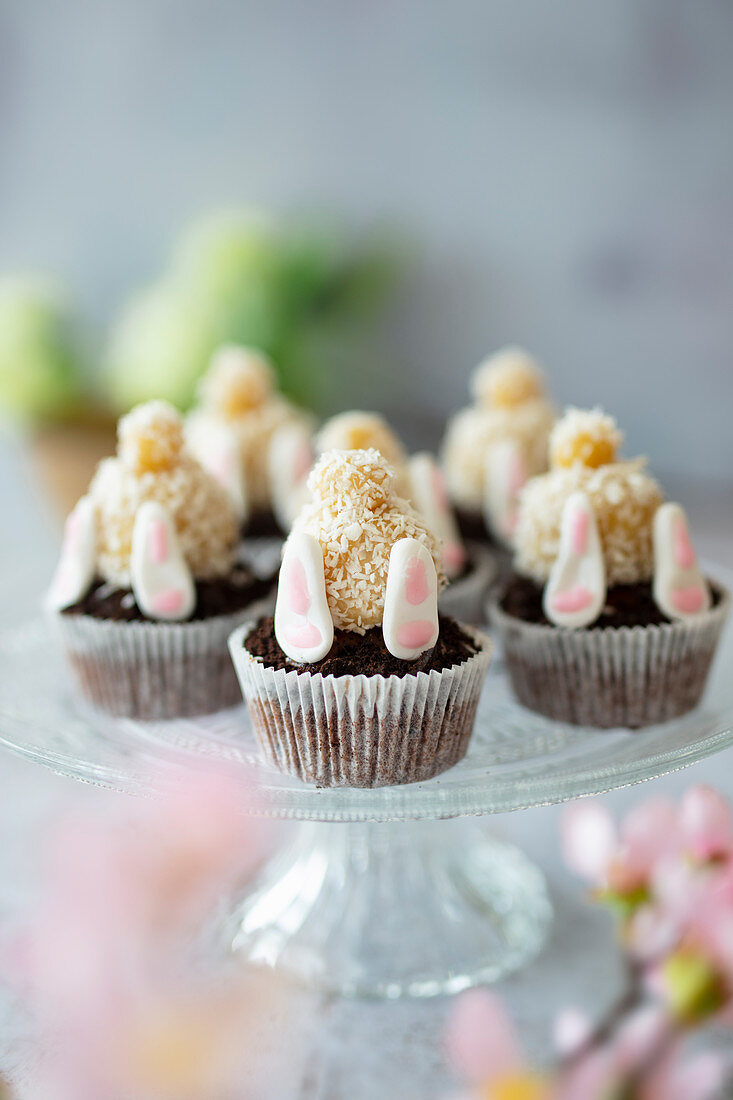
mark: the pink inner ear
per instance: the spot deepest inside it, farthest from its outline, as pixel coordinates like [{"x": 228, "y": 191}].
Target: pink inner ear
[
  {"x": 688, "y": 600},
  {"x": 510, "y": 523},
  {"x": 454, "y": 555},
  {"x": 416, "y": 582},
  {"x": 169, "y": 601},
  {"x": 516, "y": 474},
  {"x": 298, "y": 596},
  {"x": 303, "y": 463},
  {"x": 417, "y": 634},
  {"x": 579, "y": 531},
  {"x": 158, "y": 542},
  {"x": 439, "y": 490},
  {"x": 222, "y": 466},
  {"x": 684, "y": 555},
  {"x": 575, "y": 599},
  {"x": 304, "y": 637}
]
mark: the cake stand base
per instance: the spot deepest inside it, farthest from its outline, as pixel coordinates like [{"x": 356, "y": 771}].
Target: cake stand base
[{"x": 402, "y": 909}]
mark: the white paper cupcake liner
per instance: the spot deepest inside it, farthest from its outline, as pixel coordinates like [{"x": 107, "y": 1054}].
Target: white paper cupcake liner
[
  {"x": 154, "y": 670},
  {"x": 616, "y": 676},
  {"x": 362, "y": 731},
  {"x": 464, "y": 599}
]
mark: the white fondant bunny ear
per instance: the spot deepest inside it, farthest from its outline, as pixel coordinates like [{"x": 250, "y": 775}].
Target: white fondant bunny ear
[
  {"x": 410, "y": 619},
  {"x": 576, "y": 591},
  {"x": 679, "y": 588},
  {"x": 505, "y": 472},
  {"x": 215, "y": 446},
  {"x": 161, "y": 580},
  {"x": 303, "y": 623},
  {"x": 289, "y": 461},
  {"x": 430, "y": 497},
  {"x": 75, "y": 570}
]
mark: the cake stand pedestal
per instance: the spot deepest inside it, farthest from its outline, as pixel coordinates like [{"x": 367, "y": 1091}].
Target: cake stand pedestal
[
  {"x": 395, "y": 891},
  {"x": 390, "y": 910}
]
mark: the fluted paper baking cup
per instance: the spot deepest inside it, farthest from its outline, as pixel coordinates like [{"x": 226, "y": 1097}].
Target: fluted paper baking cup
[
  {"x": 154, "y": 670},
  {"x": 362, "y": 731},
  {"x": 615, "y": 676},
  {"x": 464, "y": 599}
]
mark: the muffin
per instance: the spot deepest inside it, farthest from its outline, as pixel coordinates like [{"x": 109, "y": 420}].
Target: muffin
[
  {"x": 254, "y": 441},
  {"x": 606, "y": 619},
  {"x": 494, "y": 445},
  {"x": 148, "y": 587},
  {"x": 357, "y": 681}
]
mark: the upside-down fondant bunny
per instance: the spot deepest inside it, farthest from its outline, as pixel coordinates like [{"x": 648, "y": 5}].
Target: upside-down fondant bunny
[
  {"x": 148, "y": 586},
  {"x": 396, "y": 576}
]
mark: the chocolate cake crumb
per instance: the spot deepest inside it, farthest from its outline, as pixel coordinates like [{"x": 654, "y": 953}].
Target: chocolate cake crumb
[
  {"x": 626, "y": 604},
  {"x": 217, "y": 597},
  {"x": 262, "y": 525},
  {"x": 472, "y": 526},
  {"x": 353, "y": 654}
]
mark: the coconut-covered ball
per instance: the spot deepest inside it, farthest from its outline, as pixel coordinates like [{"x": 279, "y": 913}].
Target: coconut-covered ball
[
  {"x": 152, "y": 464},
  {"x": 583, "y": 452},
  {"x": 238, "y": 380},
  {"x": 507, "y": 379},
  {"x": 510, "y": 403},
  {"x": 239, "y": 390},
  {"x": 362, "y": 431},
  {"x": 357, "y": 518}
]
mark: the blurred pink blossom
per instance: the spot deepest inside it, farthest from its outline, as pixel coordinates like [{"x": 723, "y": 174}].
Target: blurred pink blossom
[
  {"x": 122, "y": 1005},
  {"x": 480, "y": 1041},
  {"x": 706, "y": 824}
]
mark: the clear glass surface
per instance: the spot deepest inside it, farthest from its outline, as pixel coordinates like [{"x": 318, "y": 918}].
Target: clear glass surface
[
  {"x": 358, "y": 902},
  {"x": 516, "y": 759},
  {"x": 392, "y": 910}
]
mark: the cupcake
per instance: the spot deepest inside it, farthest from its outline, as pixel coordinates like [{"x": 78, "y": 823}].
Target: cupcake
[
  {"x": 356, "y": 680},
  {"x": 148, "y": 588},
  {"x": 254, "y": 441},
  {"x": 492, "y": 447},
  {"x": 606, "y": 620},
  {"x": 469, "y": 570}
]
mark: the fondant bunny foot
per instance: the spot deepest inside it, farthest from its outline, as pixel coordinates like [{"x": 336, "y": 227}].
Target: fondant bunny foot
[
  {"x": 679, "y": 588},
  {"x": 410, "y": 621},
  {"x": 430, "y": 497},
  {"x": 75, "y": 570},
  {"x": 505, "y": 472},
  {"x": 161, "y": 580},
  {"x": 303, "y": 623},
  {"x": 216, "y": 447},
  {"x": 289, "y": 461},
  {"x": 576, "y": 590}
]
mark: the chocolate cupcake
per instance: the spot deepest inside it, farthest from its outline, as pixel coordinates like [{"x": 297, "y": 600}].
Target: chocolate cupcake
[
  {"x": 356, "y": 682},
  {"x": 492, "y": 447},
  {"x": 254, "y": 441},
  {"x": 148, "y": 587},
  {"x": 606, "y": 620}
]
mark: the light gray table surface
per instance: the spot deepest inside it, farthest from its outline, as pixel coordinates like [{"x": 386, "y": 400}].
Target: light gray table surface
[{"x": 358, "y": 1050}]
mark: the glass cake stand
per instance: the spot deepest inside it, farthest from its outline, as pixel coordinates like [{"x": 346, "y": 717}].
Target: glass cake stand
[{"x": 376, "y": 893}]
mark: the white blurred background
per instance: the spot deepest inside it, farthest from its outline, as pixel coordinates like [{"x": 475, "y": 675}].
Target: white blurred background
[{"x": 564, "y": 173}]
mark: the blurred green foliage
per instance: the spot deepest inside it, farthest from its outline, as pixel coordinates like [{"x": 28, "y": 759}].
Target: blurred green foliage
[
  {"x": 305, "y": 292},
  {"x": 300, "y": 292},
  {"x": 40, "y": 360}
]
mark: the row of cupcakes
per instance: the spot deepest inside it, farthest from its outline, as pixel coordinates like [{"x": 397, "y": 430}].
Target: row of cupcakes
[{"x": 355, "y": 679}]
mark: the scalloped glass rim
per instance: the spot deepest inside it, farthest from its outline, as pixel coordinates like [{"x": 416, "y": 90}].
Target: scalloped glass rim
[{"x": 516, "y": 759}]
